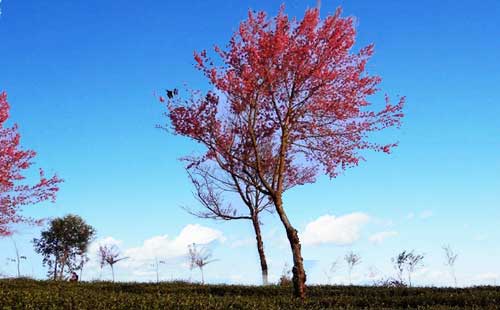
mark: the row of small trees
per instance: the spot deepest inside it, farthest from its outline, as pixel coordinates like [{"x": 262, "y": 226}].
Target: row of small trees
[
  {"x": 405, "y": 262},
  {"x": 64, "y": 246}
]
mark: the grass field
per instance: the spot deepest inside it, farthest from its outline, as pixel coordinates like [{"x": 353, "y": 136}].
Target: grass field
[{"x": 30, "y": 294}]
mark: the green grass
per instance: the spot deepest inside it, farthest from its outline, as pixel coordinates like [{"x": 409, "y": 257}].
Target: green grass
[{"x": 30, "y": 294}]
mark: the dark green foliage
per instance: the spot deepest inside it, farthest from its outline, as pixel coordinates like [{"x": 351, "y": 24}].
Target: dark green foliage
[
  {"x": 29, "y": 294},
  {"x": 64, "y": 244}
]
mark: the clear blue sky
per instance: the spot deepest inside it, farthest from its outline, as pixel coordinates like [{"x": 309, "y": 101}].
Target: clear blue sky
[{"x": 80, "y": 77}]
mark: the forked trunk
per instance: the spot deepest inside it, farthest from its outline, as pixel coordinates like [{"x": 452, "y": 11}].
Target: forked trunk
[
  {"x": 64, "y": 259},
  {"x": 260, "y": 249},
  {"x": 299, "y": 274}
]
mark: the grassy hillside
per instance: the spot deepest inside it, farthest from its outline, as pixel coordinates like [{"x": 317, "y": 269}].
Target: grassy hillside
[{"x": 29, "y": 294}]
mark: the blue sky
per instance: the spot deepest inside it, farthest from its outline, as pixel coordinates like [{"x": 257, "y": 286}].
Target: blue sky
[{"x": 80, "y": 76}]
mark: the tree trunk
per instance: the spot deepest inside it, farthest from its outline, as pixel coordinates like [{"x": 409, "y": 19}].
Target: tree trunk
[
  {"x": 299, "y": 274},
  {"x": 202, "y": 276},
  {"x": 17, "y": 259},
  {"x": 157, "y": 273},
  {"x": 63, "y": 264},
  {"x": 113, "y": 273},
  {"x": 55, "y": 267},
  {"x": 61, "y": 270},
  {"x": 260, "y": 249}
]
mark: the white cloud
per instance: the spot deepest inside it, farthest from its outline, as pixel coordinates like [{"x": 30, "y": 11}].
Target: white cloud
[
  {"x": 140, "y": 259},
  {"x": 342, "y": 230},
  {"x": 166, "y": 248},
  {"x": 378, "y": 238}
]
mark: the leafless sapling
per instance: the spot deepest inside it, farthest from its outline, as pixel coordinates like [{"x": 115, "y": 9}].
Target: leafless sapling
[
  {"x": 109, "y": 255},
  {"x": 409, "y": 262},
  {"x": 199, "y": 258},
  {"x": 211, "y": 183},
  {"x": 17, "y": 259},
  {"x": 156, "y": 265},
  {"x": 332, "y": 269},
  {"x": 450, "y": 259},
  {"x": 352, "y": 259}
]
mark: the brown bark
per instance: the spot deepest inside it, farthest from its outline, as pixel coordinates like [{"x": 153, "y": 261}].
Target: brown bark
[
  {"x": 299, "y": 274},
  {"x": 260, "y": 248},
  {"x": 63, "y": 264},
  {"x": 55, "y": 268}
]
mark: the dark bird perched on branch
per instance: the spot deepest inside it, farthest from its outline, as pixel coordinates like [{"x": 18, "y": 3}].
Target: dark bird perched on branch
[{"x": 172, "y": 93}]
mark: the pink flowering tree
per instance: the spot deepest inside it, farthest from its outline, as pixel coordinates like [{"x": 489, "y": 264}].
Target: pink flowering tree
[
  {"x": 14, "y": 162},
  {"x": 290, "y": 102}
]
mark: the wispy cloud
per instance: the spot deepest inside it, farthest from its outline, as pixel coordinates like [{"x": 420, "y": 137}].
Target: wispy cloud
[
  {"x": 487, "y": 278},
  {"x": 426, "y": 214},
  {"x": 242, "y": 243},
  {"x": 423, "y": 215},
  {"x": 480, "y": 237},
  {"x": 378, "y": 238}
]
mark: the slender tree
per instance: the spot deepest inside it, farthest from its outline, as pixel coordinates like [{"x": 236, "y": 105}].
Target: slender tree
[
  {"x": 398, "y": 263},
  {"x": 84, "y": 259},
  {"x": 199, "y": 258},
  {"x": 290, "y": 101},
  {"x": 415, "y": 261},
  {"x": 156, "y": 265},
  {"x": 352, "y": 259},
  {"x": 18, "y": 258},
  {"x": 210, "y": 186},
  {"x": 110, "y": 255},
  {"x": 14, "y": 163},
  {"x": 334, "y": 266},
  {"x": 450, "y": 259},
  {"x": 63, "y": 244},
  {"x": 409, "y": 262}
]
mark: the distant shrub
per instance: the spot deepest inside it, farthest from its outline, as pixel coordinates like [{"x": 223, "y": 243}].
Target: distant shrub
[
  {"x": 286, "y": 276},
  {"x": 390, "y": 282}
]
